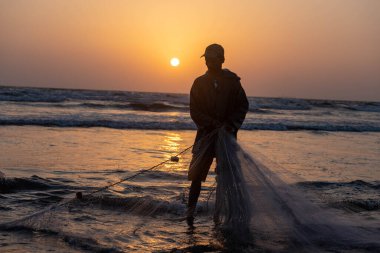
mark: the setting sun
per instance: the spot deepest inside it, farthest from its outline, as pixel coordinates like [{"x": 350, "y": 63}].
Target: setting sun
[{"x": 174, "y": 62}]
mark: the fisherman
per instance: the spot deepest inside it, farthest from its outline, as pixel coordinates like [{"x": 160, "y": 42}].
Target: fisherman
[{"x": 217, "y": 100}]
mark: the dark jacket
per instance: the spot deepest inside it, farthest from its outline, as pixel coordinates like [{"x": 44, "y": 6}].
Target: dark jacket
[{"x": 209, "y": 105}]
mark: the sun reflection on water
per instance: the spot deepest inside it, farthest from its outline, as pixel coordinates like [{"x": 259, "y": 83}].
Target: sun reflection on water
[
  {"x": 172, "y": 146},
  {"x": 172, "y": 142}
]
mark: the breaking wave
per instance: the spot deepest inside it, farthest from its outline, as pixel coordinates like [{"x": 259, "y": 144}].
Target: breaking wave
[
  {"x": 138, "y": 106},
  {"x": 8, "y": 185},
  {"x": 355, "y": 196},
  {"x": 358, "y": 205},
  {"x": 352, "y": 184},
  {"x": 166, "y": 101},
  {"x": 73, "y": 121}
]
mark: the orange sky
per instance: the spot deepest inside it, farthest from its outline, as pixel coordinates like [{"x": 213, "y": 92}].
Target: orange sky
[{"x": 293, "y": 48}]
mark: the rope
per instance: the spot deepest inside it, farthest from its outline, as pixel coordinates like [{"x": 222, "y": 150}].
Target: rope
[
  {"x": 153, "y": 167},
  {"x": 139, "y": 173},
  {"x": 68, "y": 201}
]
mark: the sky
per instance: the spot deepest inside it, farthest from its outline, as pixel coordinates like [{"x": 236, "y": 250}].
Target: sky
[{"x": 322, "y": 49}]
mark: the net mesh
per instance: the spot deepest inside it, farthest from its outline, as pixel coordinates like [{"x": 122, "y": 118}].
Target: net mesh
[{"x": 250, "y": 195}]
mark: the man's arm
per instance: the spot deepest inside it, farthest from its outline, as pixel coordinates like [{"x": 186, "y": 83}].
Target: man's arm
[
  {"x": 241, "y": 106},
  {"x": 201, "y": 119}
]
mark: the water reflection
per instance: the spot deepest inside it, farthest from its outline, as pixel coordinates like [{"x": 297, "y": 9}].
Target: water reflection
[{"x": 173, "y": 144}]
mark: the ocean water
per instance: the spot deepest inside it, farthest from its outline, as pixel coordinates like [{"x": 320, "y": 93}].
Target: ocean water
[
  {"x": 137, "y": 110},
  {"x": 55, "y": 143}
]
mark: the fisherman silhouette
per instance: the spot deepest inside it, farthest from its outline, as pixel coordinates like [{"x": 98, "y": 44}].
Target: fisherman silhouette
[{"x": 217, "y": 100}]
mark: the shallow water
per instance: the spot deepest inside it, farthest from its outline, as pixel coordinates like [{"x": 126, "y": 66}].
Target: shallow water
[{"x": 43, "y": 166}]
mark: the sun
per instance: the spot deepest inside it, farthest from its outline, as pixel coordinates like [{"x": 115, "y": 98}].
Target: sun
[{"x": 174, "y": 62}]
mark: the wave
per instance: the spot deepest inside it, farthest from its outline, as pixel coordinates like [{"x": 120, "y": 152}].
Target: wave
[
  {"x": 75, "y": 241},
  {"x": 357, "y": 205},
  {"x": 138, "y": 106},
  {"x": 152, "y": 107},
  {"x": 23, "y": 94},
  {"x": 183, "y": 125},
  {"x": 261, "y": 111},
  {"x": 356, "y": 196},
  {"x": 10, "y": 185},
  {"x": 360, "y": 106},
  {"x": 166, "y": 101},
  {"x": 99, "y": 123},
  {"x": 279, "y": 103},
  {"x": 295, "y": 126},
  {"x": 352, "y": 184},
  {"x": 157, "y": 107},
  {"x": 309, "y": 104}
]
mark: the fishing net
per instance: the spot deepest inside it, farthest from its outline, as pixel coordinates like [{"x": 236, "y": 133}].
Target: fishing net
[
  {"x": 232, "y": 202},
  {"x": 253, "y": 203}
]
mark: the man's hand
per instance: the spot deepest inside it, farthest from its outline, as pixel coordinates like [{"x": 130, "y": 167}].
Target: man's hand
[{"x": 228, "y": 128}]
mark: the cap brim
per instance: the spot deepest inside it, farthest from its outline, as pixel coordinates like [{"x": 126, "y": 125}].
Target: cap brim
[{"x": 211, "y": 55}]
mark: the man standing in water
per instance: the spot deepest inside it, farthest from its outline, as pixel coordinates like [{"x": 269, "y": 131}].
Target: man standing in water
[{"x": 217, "y": 100}]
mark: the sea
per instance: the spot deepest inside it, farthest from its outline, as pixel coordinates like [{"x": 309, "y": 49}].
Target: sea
[{"x": 55, "y": 143}]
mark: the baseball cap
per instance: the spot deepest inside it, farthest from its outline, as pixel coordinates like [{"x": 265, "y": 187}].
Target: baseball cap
[{"x": 213, "y": 51}]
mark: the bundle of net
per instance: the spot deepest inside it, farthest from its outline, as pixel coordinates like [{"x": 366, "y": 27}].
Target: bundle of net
[
  {"x": 253, "y": 203},
  {"x": 232, "y": 205}
]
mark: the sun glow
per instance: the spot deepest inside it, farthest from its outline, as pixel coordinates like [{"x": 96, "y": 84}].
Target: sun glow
[{"x": 174, "y": 62}]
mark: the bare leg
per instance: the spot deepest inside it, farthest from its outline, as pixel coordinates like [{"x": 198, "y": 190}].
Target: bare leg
[{"x": 195, "y": 190}]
